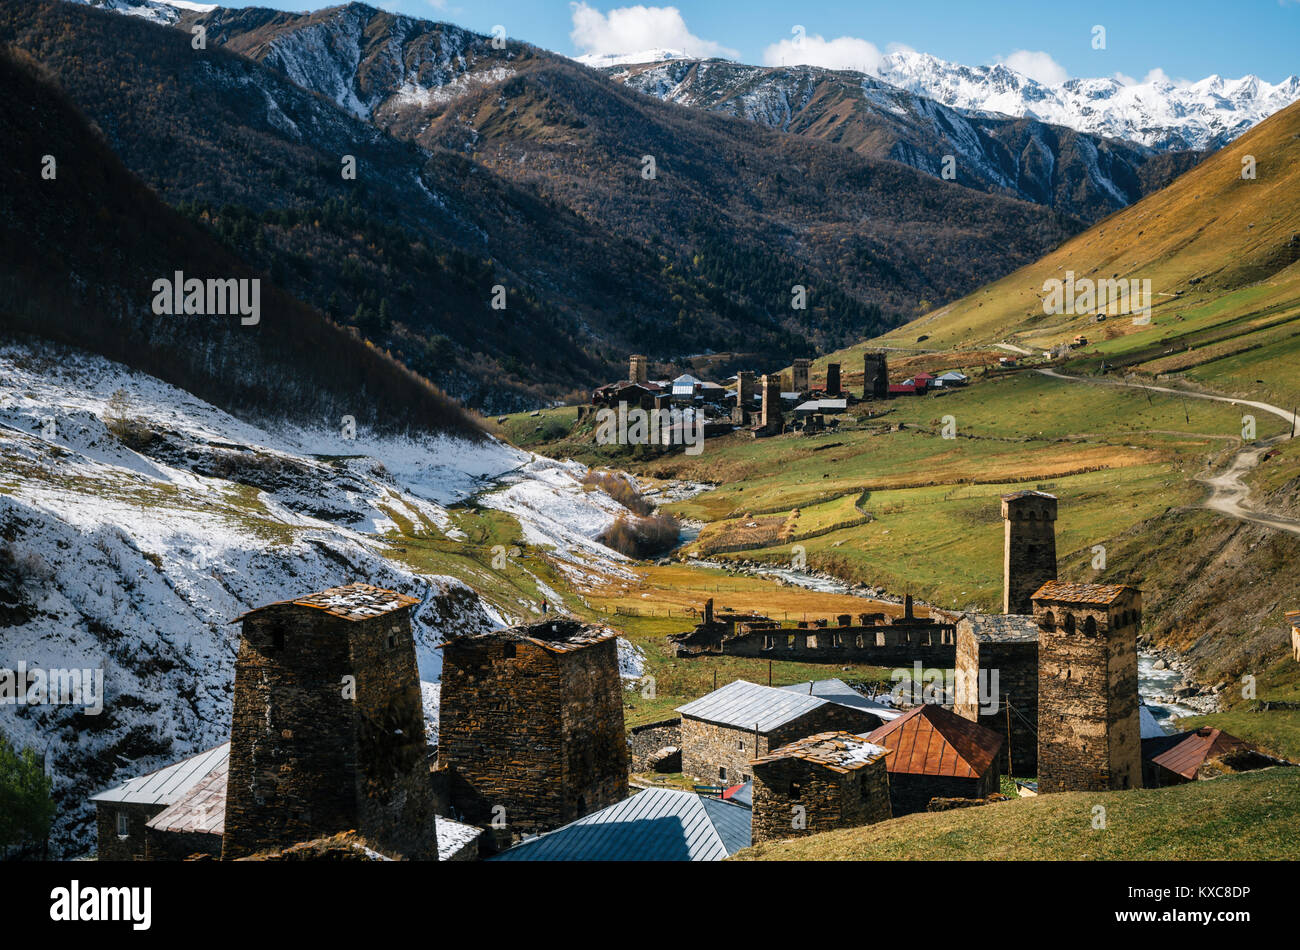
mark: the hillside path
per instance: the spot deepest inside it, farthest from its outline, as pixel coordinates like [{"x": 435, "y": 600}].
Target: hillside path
[{"x": 1228, "y": 492}]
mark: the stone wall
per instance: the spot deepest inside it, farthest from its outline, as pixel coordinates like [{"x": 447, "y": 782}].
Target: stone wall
[
  {"x": 529, "y": 735},
  {"x": 879, "y": 644},
  {"x": 909, "y": 792},
  {"x": 1088, "y": 729},
  {"x": 709, "y": 748},
  {"x": 131, "y": 848},
  {"x": 827, "y": 799},
  {"x": 644, "y": 741},
  {"x": 177, "y": 846}
]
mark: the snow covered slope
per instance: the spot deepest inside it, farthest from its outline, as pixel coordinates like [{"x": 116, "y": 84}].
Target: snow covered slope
[{"x": 137, "y": 521}]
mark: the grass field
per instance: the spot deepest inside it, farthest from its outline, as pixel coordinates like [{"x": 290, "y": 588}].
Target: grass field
[{"x": 1246, "y": 817}]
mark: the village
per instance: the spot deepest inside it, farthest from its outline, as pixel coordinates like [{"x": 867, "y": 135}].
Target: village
[{"x": 328, "y": 757}]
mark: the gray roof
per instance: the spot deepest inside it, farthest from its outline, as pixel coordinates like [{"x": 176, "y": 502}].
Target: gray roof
[
  {"x": 166, "y": 786},
  {"x": 838, "y": 691},
  {"x": 658, "y": 824},
  {"x": 748, "y": 706},
  {"x": 1004, "y": 628}
]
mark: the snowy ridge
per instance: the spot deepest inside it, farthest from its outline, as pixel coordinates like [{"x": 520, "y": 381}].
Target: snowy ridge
[{"x": 1157, "y": 113}]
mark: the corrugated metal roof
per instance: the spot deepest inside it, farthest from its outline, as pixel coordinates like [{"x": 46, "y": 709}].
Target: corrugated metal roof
[
  {"x": 747, "y": 706},
  {"x": 168, "y": 785},
  {"x": 201, "y": 810},
  {"x": 930, "y": 740},
  {"x": 838, "y": 691},
  {"x": 658, "y": 824},
  {"x": 1186, "y": 753},
  {"x": 1082, "y": 593},
  {"x": 349, "y": 602}
]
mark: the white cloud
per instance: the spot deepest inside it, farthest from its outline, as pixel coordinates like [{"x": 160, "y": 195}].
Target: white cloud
[
  {"x": 1159, "y": 75},
  {"x": 1124, "y": 79},
  {"x": 1037, "y": 65},
  {"x": 843, "y": 52},
  {"x": 632, "y": 29}
]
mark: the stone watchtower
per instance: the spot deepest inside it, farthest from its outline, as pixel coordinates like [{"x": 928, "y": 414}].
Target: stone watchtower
[
  {"x": 771, "y": 419},
  {"x": 638, "y": 370},
  {"x": 1089, "y": 736},
  {"x": 875, "y": 376},
  {"x": 827, "y": 781},
  {"x": 531, "y": 724},
  {"x": 832, "y": 379},
  {"x": 1029, "y": 557},
  {"x": 327, "y": 733},
  {"x": 800, "y": 380},
  {"x": 744, "y": 396}
]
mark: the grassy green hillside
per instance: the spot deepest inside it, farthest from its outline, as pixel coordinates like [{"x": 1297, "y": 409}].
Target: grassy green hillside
[{"x": 1237, "y": 817}]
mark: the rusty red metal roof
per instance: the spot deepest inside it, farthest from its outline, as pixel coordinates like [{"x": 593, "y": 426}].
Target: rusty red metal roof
[
  {"x": 1082, "y": 593},
  {"x": 350, "y": 602},
  {"x": 1186, "y": 756},
  {"x": 930, "y": 740}
]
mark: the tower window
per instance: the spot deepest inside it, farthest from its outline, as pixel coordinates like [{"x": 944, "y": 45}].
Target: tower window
[
  {"x": 277, "y": 639},
  {"x": 508, "y": 651},
  {"x": 123, "y": 825}
]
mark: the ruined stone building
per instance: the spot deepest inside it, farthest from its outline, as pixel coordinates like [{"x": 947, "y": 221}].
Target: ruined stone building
[
  {"x": 937, "y": 754},
  {"x": 1089, "y": 737},
  {"x": 875, "y": 376},
  {"x": 723, "y": 731},
  {"x": 997, "y": 683},
  {"x": 1029, "y": 557},
  {"x": 820, "y": 783},
  {"x": 531, "y": 724},
  {"x": 800, "y": 377},
  {"x": 327, "y": 731},
  {"x": 745, "y": 392},
  {"x": 770, "y": 421}
]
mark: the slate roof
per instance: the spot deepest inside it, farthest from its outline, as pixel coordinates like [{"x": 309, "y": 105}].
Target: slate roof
[
  {"x": 838, "y": 691},
  {"x": 658, "y": 824},
  {"x": 930, "y": 740},
  {"x": 1028, "y": 493},
  {"x": 167, "y": 785},
  {"x": 562, "y": 635},
  {"x": 1003, "y": 628},
  {"x": 1185, "y": 752},
  {"x": 350, "y": 602},
  {"x": 748, "y": 705},
  {"x": 1082, "y": 593},
  {"x": 837, "y": 751}
]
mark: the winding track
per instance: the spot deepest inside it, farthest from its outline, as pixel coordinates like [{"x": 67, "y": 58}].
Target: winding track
[{"x": 1228, "y": 492}]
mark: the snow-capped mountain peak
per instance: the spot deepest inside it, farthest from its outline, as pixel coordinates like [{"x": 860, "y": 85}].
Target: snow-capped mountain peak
[{"x": 601, "y": 60}]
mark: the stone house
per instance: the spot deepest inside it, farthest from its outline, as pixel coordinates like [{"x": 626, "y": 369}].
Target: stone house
[
  {"x": 1089, "y": 731},
  {"x": 123, "y": 813},
  {"x": 722, "y": 732},
  {"x": 937, "y": 754},
  {"x": 531, "y": 724},
  {"x": 1183, "y": 757},
  {"x": 998, "y": 654},
  {"x": 819, "y": 783}
]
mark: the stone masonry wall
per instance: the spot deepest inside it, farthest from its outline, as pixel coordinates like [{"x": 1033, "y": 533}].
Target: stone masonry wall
[
  {"x": 132, "y": 847},
  {"x": 1016, "y": 664},
  {"x": 644, "y": 741},
  {"x": 910, "y": 792},
  {"x": 828, "y": 799},
  {"x": 595, "y": 741}
]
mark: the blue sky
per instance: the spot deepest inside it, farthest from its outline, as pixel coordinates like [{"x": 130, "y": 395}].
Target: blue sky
[{"x": 1189, "y": 39}]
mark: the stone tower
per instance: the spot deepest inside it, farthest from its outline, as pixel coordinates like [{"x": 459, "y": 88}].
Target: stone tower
[
  {"x": 638, "y": 370},
  {"x": 832, "y": 379},
  {"x": 1029, "y": 555},
  {"x": 875, "y": 376},
  {"x": 1089, "y": 737},
  {"x": 531, "y": 724},
  {"x": 827, "y": 781},
  {"x": 800, "y": 379},
  {"x": 771, "y": 419},
  {"x": 327, "y": 733},
  {"x": 744, "y": 397}
]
